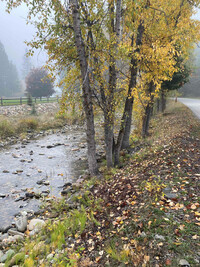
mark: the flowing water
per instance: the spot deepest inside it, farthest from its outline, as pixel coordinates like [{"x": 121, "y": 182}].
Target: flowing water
[{"x": 58, "y": 158}]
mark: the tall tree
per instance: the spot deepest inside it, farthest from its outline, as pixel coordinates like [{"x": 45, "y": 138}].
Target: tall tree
[
  {"x": 87, "y": 93},
  {"x": 9, "y": 81}
]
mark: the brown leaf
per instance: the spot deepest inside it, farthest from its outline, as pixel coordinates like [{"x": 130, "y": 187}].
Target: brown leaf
[{"x": 168, "y": 262}]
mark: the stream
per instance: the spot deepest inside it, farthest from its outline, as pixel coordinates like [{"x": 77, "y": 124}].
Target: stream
[{"x": 56, "y": 159}]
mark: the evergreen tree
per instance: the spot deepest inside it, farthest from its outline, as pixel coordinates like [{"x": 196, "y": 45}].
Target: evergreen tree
[{"x": 9, "y": 81}]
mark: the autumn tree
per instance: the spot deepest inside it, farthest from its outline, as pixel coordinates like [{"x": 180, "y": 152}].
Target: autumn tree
[
  {"x": 166, "y": 34},
  {"x": 38, "y": 83}
]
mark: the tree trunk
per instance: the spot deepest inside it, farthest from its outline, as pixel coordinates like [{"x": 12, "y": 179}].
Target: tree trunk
[
  {"x": 109, "y": 136},
  {"x": 127, "y": 130},
  {"x": 146, "y": 120},
  {"x": 109, "y": 110},
  {"x": 133, "y": 70},
  {"x": 87, "y": 94},
  {"x": 158, "y": 105},
  {"x": 163, "y": 101},
  {"x": 125, "y": 127},
  {"x": 148, "y": 112}
]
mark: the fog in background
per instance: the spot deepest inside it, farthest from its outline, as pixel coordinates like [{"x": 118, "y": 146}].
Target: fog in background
[
  {"x": 192, "y": 88},
  {"x": 14, "y": 31}
]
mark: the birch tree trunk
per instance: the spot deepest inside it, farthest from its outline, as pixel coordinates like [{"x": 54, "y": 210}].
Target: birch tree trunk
[
  {"x": 125, "y": 127},
  {"x": 110, "y": 108},
  {"x": 133, "y": 70},
  {"x": 87, "y": 94}
]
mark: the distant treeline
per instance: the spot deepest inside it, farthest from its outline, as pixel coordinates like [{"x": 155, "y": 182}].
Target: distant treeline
[
  {"x": 9, "y": 80},
  {"x": 192, "y": 88}
]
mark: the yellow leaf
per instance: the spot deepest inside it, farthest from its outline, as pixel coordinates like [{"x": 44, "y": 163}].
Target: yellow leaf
[
  {"x": 133, "y": 202},
  {"x": 98, "y": 233},
  {"x": 124, "y": 238},
  {"x": 177, "y": 243}
]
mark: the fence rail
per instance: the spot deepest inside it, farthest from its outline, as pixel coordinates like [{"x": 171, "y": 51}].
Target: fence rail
[{"x": 25, "y": 100}]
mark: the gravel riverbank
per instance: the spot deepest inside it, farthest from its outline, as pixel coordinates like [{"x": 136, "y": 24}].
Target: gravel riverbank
[{"x": 11, "y": 111}]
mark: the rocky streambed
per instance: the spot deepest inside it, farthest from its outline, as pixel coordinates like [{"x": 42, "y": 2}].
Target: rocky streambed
[{"x": 35, "y": 169}]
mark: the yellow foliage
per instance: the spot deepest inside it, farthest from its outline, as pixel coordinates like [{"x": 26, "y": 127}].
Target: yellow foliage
[{"x": 29, "y": 262}]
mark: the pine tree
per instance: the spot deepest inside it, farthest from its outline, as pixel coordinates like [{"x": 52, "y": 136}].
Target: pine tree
[{"x": 9, "y": 81}]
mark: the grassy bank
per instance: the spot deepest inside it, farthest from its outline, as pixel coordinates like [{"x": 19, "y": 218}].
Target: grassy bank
[
  {"x": 145, "y": 214},
  {"x": 19, "y": 125}
]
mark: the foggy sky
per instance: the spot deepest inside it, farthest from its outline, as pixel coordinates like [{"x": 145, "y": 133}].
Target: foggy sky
[{"x": 13, "y": 32}]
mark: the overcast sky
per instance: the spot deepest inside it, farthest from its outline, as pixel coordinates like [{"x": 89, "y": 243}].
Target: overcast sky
[{"x": 13, "y": 33}]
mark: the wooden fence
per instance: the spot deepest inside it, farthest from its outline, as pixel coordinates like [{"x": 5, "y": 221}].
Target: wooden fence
[{"x": 24, "y": 100}]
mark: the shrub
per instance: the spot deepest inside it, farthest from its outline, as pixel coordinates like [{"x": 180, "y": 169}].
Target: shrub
[
  {"x": 27, "y": 124},
  {"x": 6, "y": 129}
]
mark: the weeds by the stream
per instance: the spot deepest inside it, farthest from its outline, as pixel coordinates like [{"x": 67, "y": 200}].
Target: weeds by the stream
[{"x": 20, "y": 125}]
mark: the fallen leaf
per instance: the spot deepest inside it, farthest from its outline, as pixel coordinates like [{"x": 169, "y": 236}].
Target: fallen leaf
[
  {"x": 146, "y": 258},
  {"x": 193, "y": 207},
  {"x": 98, "y": 258},
  {"x": 168, "y": 262},
  {"x": 195, "y": 237},
  {"x": 181, "y": 227}
]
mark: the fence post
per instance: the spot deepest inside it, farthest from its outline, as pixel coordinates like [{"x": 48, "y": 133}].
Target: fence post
[
  {"x": 40, "y": 98},
  {"x": 20, "y": 101},
  {"x": 35, "y": 100},
  {"x": 47, "y": 99},
  {"x": 1, "y": 101}
]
